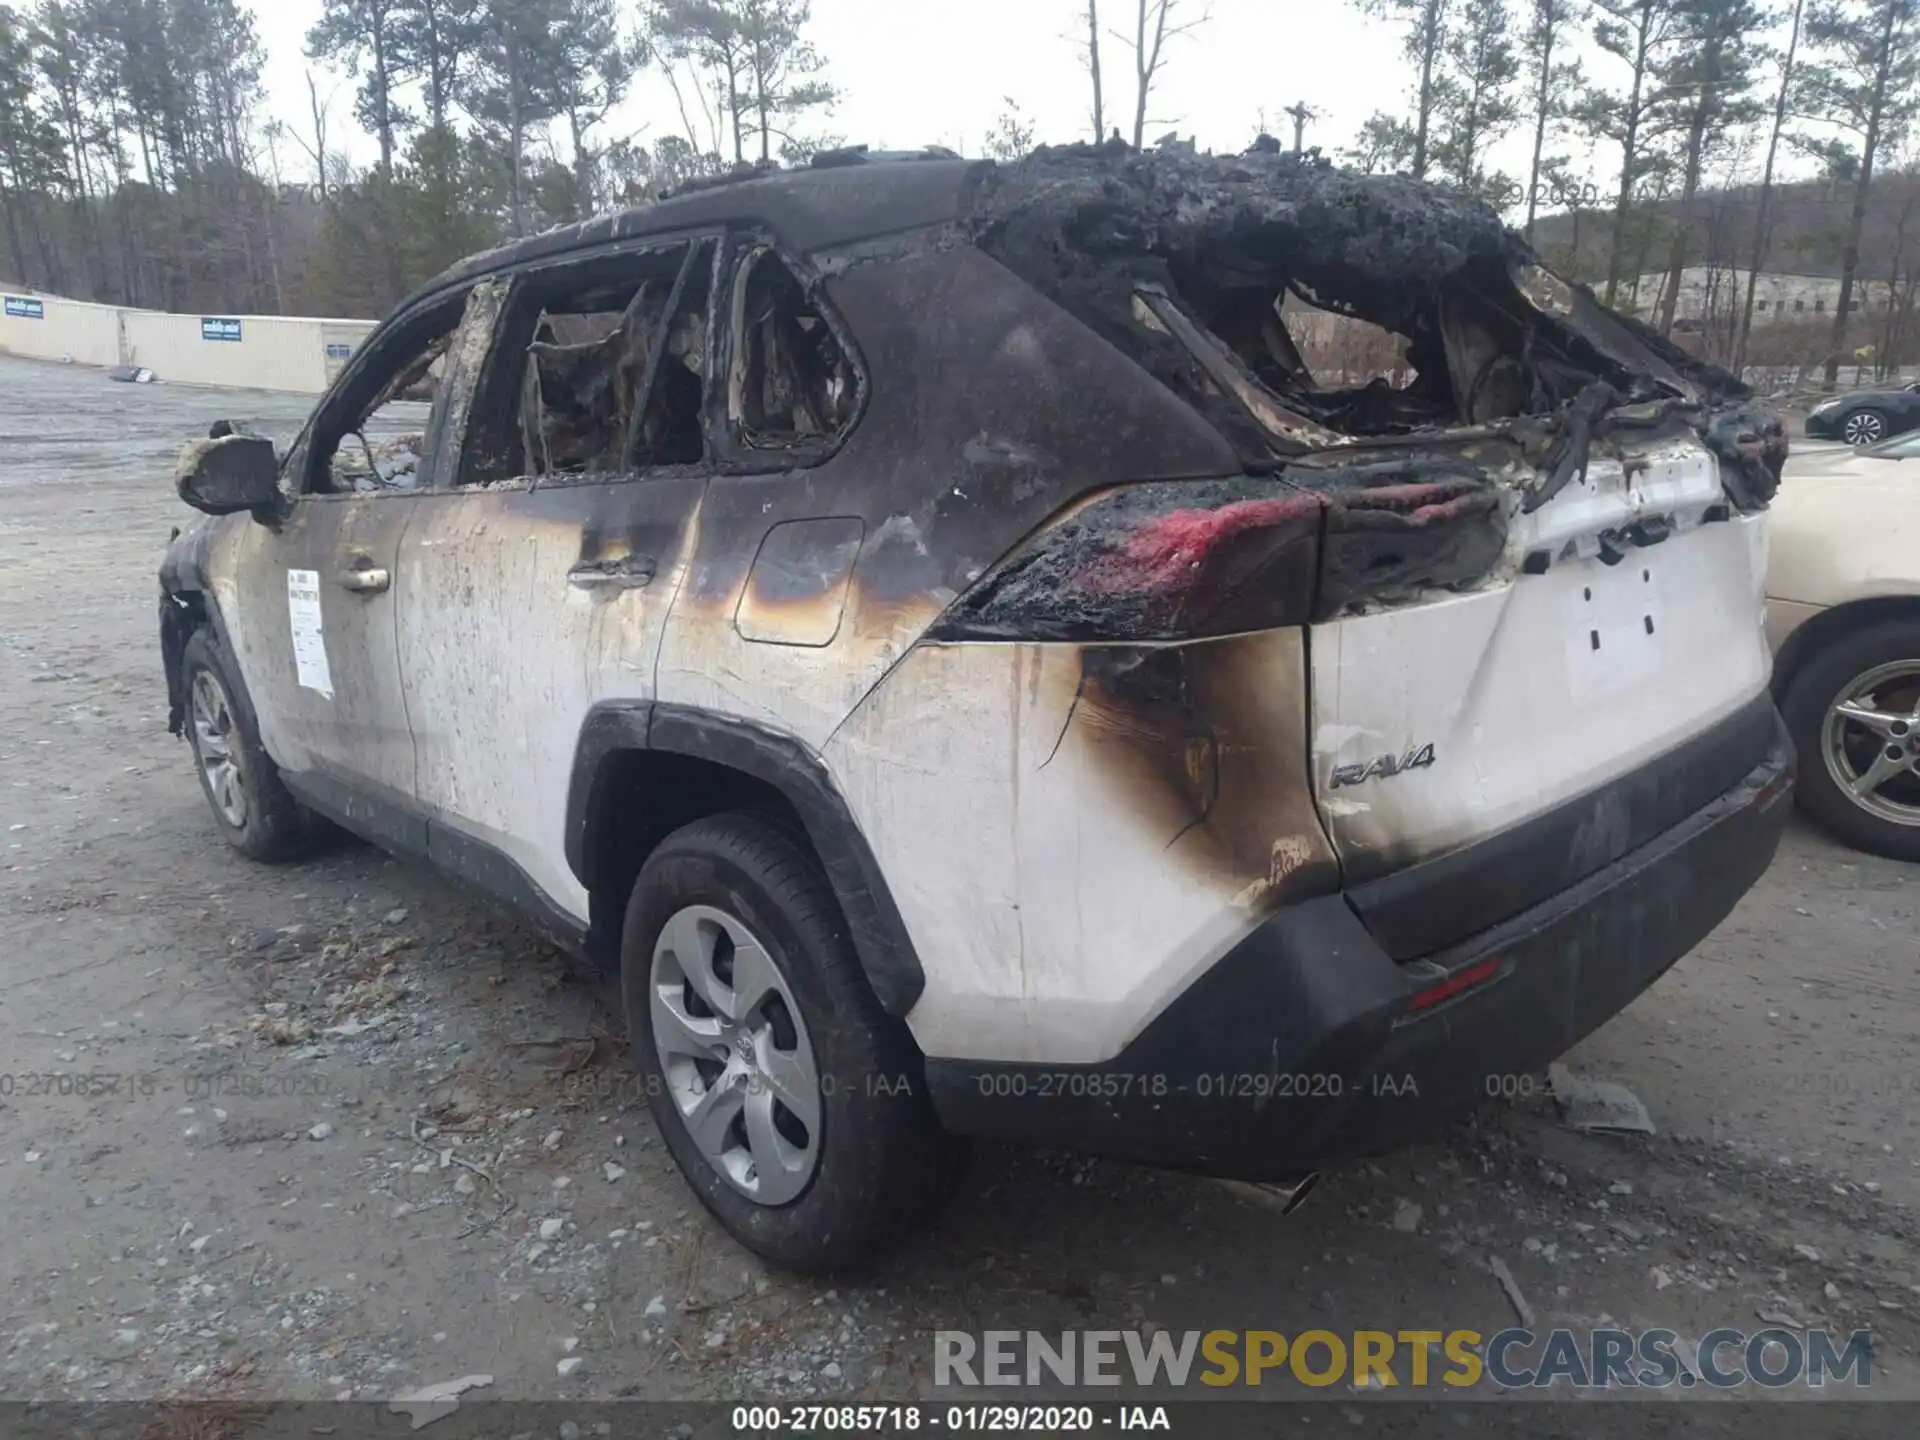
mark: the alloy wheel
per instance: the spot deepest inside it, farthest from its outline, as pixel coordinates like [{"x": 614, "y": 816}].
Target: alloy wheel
[
  {"x": 735, "y": 1052},
  {"x": 213, "y": 745},
  {"x": 1864, "y": 427},
  {"x": 1871, "y": 742}
]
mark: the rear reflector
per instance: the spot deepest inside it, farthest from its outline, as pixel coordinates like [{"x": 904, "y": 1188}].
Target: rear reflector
[{"x": 1457, "y": 983}]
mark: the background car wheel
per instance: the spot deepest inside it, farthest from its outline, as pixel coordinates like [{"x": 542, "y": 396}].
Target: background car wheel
[
  {"x": 1864, "y": 427},
  {"x": 253, "y": 809},
  {"x": 793, "y": 1103},
  {"x": 1854, "y": 711}
]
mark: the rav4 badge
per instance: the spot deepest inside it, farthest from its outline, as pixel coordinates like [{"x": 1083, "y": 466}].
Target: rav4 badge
[{"x": 1382, "y": 767}]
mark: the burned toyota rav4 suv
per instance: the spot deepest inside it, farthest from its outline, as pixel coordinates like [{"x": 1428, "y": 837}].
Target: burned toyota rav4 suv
[{"x": 950, "y": 635}]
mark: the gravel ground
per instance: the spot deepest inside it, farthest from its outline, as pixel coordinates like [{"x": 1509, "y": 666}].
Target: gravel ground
[{"x": 344, "y": 1131}]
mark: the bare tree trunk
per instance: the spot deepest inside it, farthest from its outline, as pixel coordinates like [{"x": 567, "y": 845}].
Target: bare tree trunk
[
  {"x": 1629, "y": 154},
  {"x": 1541, "y": 101},
  {"x": 1683, "y": 232},
  {"x": 319, "y": 136},
  {"x": 1885, "y": 358},
  {"x": 15, "y": 249},
  {"x": 1757, "y": 256},
  {"x": 1093, "y": 69},
  {"x": 1151, "y": 14},
  {"x": 1430, "y": 21},
  {"x": 735, "y": 105},
  {"x": 1142, "y": 72},
  {"x": 584, "y": 203},
  {"x": 382, "y": 85},
  {"x": 516, "y": 131},
  {"x": 1857, "y": 219}
]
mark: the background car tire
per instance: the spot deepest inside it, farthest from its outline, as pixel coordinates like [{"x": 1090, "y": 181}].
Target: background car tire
[
  {"x": 883, "y": 1162},
  {"x": 1864, "y": 427},
  {"x": 1813, "y": 692},
  {"x": 270, "y": 824}
]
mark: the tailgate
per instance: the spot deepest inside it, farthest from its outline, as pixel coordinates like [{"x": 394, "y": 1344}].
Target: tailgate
[{"x": 1445, "y": 723}]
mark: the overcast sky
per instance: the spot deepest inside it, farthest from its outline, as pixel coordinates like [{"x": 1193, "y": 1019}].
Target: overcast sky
[{"x": 914, "y": 72}]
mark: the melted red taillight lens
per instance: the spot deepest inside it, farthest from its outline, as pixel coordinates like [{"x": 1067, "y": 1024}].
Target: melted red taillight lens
[
  {"x": 1159, "y": 561},
  {"x": 1186, "y": 560}
]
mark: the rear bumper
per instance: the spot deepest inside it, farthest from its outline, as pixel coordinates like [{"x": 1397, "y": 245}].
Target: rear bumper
[{"x": 1297, "y": 1050}]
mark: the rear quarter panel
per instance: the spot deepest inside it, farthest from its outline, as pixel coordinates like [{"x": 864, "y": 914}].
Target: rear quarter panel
[
  {"x": 990, "y": 408},
  {"x": 1846, "y": 535}
]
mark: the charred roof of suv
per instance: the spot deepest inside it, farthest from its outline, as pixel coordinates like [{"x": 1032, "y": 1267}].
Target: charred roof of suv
[
  {"x": 1085, "y": 221},
  {"x": 1367, "y": 229},
  {"x": 1385, "y": 226}
]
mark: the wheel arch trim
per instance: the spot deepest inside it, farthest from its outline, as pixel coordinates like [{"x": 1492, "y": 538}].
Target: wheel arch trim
[{"x": 792, "y": 769}]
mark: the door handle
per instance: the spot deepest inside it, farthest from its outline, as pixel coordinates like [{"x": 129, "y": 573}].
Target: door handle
[
  {"x": 365, "y": 579},
  {"x": 631, "y": 573}
]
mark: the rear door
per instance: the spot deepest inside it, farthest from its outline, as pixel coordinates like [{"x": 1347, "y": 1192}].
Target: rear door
[
  {"x": 309, "y": 603},
  {"x": 536, "y": 578},
  {"x": 1623, "y": 620}
]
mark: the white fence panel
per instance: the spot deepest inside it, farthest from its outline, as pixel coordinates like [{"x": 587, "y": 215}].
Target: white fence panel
[
  {"x": 45, "y": 328},
  {"x": 259, "y": 352}
]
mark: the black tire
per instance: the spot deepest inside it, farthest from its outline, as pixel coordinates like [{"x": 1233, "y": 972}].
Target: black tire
[
  {"x": 1813, "y": 691},
  {"x": 883, "y": 1163},
  {"x": 274, "y": 826},
  {"x": 1864, "y": 427}
]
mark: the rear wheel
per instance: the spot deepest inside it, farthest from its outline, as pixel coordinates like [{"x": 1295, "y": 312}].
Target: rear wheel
[
  {"x": 1854, "y": 711},
  {"x": 1864, "y": 427},
  {"x": 253, "y": 809},
  {"x": 794, "y": 1105}
]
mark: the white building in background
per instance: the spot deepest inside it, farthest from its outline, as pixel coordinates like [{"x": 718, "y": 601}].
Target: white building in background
[
  {"x": 257, "y": 352},
  {"x": 1776, "y": 296}
]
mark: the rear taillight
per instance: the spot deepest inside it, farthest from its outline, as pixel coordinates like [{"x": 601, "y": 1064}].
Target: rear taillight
[
  {"x": 1185, "y": 560},
  {"x": 1169, "y": 560}
]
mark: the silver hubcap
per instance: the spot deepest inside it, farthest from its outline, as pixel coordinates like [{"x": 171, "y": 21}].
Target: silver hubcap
[
  {"x": 738, "y": 1062},
  {"x": 213, "y": 743},
  {"x": 1863, "y": 429},
  {"x": 1871, "y": 742}
]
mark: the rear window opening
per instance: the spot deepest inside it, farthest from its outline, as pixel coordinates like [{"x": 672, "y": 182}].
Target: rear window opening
[
  {"x": 1323, "y": 356},
  {"x": 792, "y": 383},
  {"x": 1301, "y": 307}
]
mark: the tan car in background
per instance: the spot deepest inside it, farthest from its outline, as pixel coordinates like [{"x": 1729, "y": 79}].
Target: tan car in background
[{"x": 1843, "y": 615}]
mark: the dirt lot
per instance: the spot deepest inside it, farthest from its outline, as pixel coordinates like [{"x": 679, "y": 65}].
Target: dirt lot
[{"x": 338, "y": 1130}]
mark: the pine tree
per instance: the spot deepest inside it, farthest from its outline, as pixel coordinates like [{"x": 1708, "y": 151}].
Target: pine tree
[
  {"x": 364, "y": 36},
  {"x": 1427, "y": 29},
  {"x": 1474, "y": 103},
  {"x": 1545, "y": 43},
  {"x": 1862, "y": 77}
]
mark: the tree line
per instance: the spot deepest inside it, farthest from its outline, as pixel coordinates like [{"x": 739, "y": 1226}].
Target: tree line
[
  {"x": 138, "y": 166},
  {"x": 1659, "y": 122}
]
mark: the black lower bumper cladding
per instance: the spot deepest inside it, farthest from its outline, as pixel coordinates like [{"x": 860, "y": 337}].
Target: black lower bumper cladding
[{"x": 1299, "y": 1049}]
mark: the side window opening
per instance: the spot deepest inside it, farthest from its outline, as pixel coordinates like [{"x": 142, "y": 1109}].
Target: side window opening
[
  {"x": 791, "y": 383},
  {"x": 372, "y": 440},
  {"x": 603, "y": 371}
]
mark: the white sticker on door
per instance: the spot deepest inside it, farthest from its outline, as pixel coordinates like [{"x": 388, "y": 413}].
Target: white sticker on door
[{"x": 309, "y": 638}]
